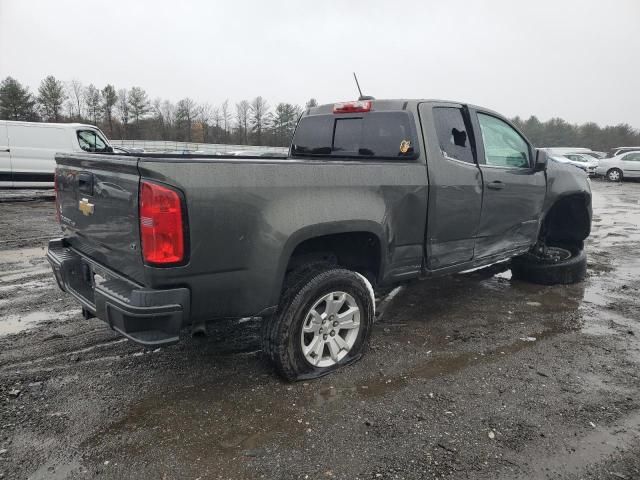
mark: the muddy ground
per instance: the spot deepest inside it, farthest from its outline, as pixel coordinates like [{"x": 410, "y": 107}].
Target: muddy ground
[{"x": 473, "y": 376}]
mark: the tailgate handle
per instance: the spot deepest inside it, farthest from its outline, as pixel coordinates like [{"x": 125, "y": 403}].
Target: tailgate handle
[{"x": 85, "y": 183}]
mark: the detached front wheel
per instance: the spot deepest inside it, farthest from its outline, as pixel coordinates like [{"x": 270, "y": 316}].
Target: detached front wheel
[
  {"x": 323, "y": 322},
  {"x": 551, "y": 265}
]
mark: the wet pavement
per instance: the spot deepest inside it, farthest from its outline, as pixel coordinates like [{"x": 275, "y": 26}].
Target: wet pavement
[{"x": 471, "y": 376}]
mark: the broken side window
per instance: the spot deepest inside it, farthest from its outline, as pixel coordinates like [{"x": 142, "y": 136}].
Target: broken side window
[{"x": 452, "y": 134}]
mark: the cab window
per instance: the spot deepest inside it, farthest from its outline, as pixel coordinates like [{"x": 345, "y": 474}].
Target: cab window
[
  {"x": 389, "y": 135},
  {"x": 503, "y": 145},
  {"x": 90, "y": 141},
  {"x": 452, "y": 134}
]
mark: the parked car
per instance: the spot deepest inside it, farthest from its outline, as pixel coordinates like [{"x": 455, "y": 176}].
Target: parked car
[
  {"x": 614, "y": 152},
  {"x": 27, "y": 149},
  {"x": 373, "y": 193},
  {"x": 624, "y": 165},
  {"x": 583, "y": 161},
  {"x": 594, "y": 154}
]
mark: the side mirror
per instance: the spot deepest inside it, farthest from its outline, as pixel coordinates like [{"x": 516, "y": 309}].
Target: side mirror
[
  {"x": 108, "y": 149},
  {"x": 541, "y": 160}
]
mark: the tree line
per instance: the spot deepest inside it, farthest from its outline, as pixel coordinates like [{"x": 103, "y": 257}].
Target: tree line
[{"x": 131, "y": 114}]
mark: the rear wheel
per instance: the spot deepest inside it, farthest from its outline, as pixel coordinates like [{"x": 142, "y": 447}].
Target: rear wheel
[
  {"x": 614, "y": 175},
  {"x": 551, "y": 265},
  {"x": 323, "y": 322}
]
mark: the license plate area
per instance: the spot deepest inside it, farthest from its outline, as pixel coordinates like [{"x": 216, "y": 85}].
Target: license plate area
[{"x": 82, "y": 280}]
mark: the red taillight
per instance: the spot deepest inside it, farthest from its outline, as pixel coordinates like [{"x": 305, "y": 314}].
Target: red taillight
[
  {"x": 352, "y": 107},
  {"x": 161, "y": 224},
  {"x": 55, "y": 192}
]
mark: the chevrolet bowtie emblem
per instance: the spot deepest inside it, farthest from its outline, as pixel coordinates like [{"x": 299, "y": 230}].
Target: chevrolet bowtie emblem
[{"x": 85, "y": 207}]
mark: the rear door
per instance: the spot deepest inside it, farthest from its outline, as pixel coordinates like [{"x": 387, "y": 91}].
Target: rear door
[
  {"x": 98, "y": 201},
  {"x": 455, "y": 185},
  {"x": 631, "y": 164},
  {"x": 513, "y": 191},
  {"x": 5, "y": 157}
]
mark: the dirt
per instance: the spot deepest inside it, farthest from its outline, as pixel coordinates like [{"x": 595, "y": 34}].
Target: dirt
[{"x": 472, "y": 376}]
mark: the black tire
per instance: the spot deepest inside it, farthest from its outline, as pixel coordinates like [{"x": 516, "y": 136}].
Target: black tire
[
  {"x": 282, "y": 332},
  {"x": 614, "y": 175},
  {"x": 532, "y": 268}
]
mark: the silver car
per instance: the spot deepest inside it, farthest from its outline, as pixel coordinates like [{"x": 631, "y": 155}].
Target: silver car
[
  {"x": 616, "y": 168},
  {"x": 583, "y": 161}
]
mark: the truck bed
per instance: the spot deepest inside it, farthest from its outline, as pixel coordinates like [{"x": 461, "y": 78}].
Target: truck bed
[{"x": 245, "y": 215}]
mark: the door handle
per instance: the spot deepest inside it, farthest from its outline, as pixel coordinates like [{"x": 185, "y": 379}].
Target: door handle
[
  {"x": 497, "y": 185},
  {"x": 5, "y": 150}
]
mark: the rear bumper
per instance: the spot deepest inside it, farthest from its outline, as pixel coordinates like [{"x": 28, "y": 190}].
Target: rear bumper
[{"x": 146, "y": 316}]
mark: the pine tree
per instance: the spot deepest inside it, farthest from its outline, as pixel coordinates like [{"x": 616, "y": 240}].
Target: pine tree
[
  {"x": 16, "y": 103},
  {"x": 138, "y": 106},
  {"x": 51, "y": 97},
  {"x": 109, "y": 100}
]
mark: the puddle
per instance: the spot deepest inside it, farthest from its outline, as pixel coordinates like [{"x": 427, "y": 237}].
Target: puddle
[
  {"x": 216, "y": 424},
  {"x": 591, "y": 449},
  {"x": 15, "y": 323}
]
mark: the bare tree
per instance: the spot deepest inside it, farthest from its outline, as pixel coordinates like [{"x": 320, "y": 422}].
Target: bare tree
[
  {"x": 216, "y": 118},
  {"x": 242, "y": 118},
  {"x": 168, "y": 114},
  {"x": 75, "y": 92},
  {"x": 226, "y": 117},
  {"x": 259, "y": 117},
  {"x": 185, "y": 115},
  {"x": 92, "y": 101},
  {"x": 122, "y": 108},
  {"x": 204, "y": 114}
]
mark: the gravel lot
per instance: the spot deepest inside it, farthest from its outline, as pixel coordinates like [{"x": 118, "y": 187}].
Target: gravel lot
[{"x": 472, "y": 376}]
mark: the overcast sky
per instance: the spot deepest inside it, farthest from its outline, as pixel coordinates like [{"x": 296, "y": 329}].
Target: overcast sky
[{"x": 579, "y": 60}]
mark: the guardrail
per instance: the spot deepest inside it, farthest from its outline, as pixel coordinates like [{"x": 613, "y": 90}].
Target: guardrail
[{"x": 168, "y": 146}]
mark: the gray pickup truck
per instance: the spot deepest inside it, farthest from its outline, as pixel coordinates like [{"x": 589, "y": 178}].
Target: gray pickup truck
[{"x": 372, "y": 193}]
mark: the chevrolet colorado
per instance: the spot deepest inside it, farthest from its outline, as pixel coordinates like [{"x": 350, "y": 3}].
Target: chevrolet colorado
[{"x": 372, "y": 193}]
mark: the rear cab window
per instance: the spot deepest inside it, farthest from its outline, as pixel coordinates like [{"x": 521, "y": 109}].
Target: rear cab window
[
  {"x": 91, "y": 141},
  {"x": 371, "y": 135}
]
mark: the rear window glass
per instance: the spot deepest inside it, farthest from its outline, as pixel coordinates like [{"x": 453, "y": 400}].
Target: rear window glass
[{"x": 370, "y": 135}]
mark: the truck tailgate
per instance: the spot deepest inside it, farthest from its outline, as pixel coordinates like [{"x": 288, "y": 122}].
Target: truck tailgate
[{"x": 97, "y": 200}]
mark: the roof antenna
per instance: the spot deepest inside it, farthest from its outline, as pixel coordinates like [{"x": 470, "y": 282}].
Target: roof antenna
[{"x": 361, "y": 97}]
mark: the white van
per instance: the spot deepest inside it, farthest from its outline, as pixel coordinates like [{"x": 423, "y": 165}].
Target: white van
[{"x": 27, "y": 149}]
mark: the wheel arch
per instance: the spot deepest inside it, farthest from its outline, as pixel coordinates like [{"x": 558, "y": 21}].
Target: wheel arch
[
  {"x": 313, "y": 241},
  {"x": 567, "y": 220}
]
